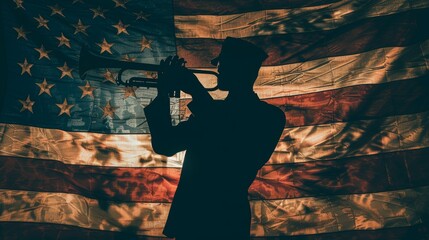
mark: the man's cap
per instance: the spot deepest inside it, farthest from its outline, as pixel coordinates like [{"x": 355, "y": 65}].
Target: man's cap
[{"x": 240, "y": 50}]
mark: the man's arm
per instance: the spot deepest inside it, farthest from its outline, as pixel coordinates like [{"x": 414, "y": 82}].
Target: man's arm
[
  {"x": 271, "y": 135},
  {"x": 166, "y": 139}
]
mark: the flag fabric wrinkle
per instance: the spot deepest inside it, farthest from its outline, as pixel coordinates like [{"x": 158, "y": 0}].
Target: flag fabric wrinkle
[{"x": 351, "y": 77}]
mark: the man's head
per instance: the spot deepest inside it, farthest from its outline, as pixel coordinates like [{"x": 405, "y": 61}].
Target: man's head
[{"x": 238, "y": 64}]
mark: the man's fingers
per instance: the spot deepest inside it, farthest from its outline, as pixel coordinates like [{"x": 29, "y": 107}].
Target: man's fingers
[
  {"x": 168, "y": 60},
  {"x": 182, "y": 62},
  {"x": 175, "y": 61}
]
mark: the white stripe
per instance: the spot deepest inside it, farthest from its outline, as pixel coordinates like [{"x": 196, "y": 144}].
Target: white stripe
[
  {"x": 119, "y": 150},
  {"x": 300, "y": 216},
  {"x": 373, "y": 67},
  {"x": 349, "y": 139},
  {"x": 299, "y": 144}
]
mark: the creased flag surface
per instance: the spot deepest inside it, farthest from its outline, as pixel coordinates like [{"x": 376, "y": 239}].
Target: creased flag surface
[{"x": 351, "y": 76}]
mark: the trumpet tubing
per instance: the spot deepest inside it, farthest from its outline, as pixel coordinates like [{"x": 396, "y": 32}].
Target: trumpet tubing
[{"x": 89, "y": 61}]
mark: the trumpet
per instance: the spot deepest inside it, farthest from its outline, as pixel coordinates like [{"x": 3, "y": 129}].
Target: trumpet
[{"x": 88, "y": 61}]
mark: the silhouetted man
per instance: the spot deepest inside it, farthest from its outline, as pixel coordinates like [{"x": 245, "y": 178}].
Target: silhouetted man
[{"x": 226, "y": 143}]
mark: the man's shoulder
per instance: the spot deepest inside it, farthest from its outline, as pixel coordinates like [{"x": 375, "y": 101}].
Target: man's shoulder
[{"x": 271, "y": 109}]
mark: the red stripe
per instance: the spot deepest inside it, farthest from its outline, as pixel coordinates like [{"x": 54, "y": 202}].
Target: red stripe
[
  {"x": 23, "y": 231},
  {"x": 400, "y": 29},
  {"x": 352, "y": 103},
  {"x": 109, "y": 183},
  {"x": 364, "y": 174},
  {"x": 49, "y": 231},
  {"x": 355, "y": 103},
  {"x": 416, "y": 232},
  {"x": 214, "y": 7}
]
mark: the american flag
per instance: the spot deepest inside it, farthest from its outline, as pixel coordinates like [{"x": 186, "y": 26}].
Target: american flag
[{"x": 351, "y": 76}]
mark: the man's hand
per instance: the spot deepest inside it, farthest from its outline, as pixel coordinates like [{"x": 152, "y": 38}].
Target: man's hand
[
  {"x": 167, "y": 81},
  {"x": 175, "y": 76}
]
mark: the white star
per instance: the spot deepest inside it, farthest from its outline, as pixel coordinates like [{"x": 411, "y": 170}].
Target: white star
[
  {"x": 98, "y": 12},
  {"x": 25, "y": 67},
  {"x": 108, "y": 110},
  {"x": 42, "y": 22},
  {"x": 19, "y": 3},
  {"x": 122, "y": 28},
  {"x": 80, "y": 28},
  {"x": 142, "y": 15},
  {"x": 65, "y": 71},
  {"x": 87, "y": 90},
  {"x": 120, "y": 3},
  {"x": 43, "y": 53},
  {"x": 105, "y": 46},
  {"x": 65, "y": 107},
  {"x": 145, "y": 44},
  {"x": 21, "y": 33},
  {"x": 57, "y": 10},
  {"x": 45, "y": 87},
  {"x": 63, "y": 41},
  {"x": 27, "y": 104}
]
